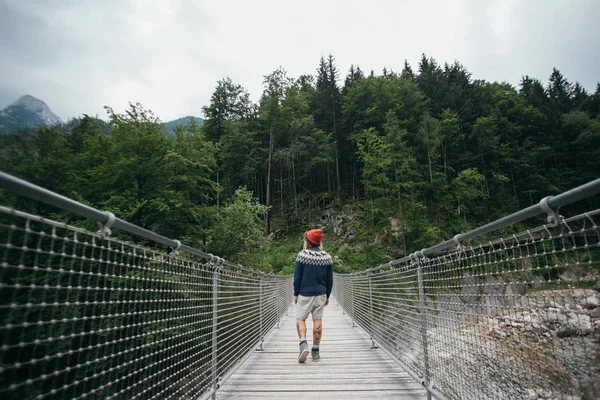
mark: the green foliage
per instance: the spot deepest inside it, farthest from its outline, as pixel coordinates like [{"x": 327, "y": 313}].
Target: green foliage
[
  {"x": 356, "y": 258},
  {"x": 373, "y": 151},
  {"x": 418, "y": 156},
  {"x": 469, "y": 189},
  {"x": 230, "y": 101},
  {"x": 238, "y": 234}
]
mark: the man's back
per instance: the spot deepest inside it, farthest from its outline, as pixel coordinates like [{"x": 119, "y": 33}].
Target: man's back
[{"x": 313, "y": 273}]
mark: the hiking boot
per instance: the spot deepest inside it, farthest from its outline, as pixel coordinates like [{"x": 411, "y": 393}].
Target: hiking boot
[
  {"x": 315, "y": 354},
  {"x": 303, "y": 352}
]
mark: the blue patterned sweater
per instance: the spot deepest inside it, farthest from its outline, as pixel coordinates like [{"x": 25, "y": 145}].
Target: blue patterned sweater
[{"x": 313, "y": 273}]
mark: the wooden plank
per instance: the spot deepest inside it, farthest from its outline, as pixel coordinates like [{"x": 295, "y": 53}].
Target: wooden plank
[
  {"x": 381, "y": 394},
  {"x": 306, "y": 385},
  {"x": 348, "y": 367},
  {"x": 285, "y": 377}
]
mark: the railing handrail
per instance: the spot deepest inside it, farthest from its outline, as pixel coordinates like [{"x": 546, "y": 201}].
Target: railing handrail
[
  {"x": 549, "y": 205},
  {"x": 34, "y": 192}
]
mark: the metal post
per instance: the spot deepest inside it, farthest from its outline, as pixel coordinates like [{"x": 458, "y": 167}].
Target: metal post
[
  {"x": 343, "y": 297},
  {"x": 260, "y": 295},
  {"x": 352, "y": 303},
  {"x": 423, "y": 312},
  {"x": 215, "y": 321},
  {"x": 280, "y": 303},
  {"x": 371, "y": 328}
]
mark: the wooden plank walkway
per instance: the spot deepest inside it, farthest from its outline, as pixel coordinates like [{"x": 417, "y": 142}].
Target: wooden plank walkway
[{"x": 348, "y": 368}]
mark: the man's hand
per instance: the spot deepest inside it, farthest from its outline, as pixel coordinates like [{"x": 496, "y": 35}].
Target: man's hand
[
  {"x": 326, "y": 302},
  {"x": 295, "y": 299}
]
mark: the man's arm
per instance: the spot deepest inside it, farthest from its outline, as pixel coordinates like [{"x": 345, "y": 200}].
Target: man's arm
[
  {"x": 298, "y": 269},
  {"x": 329, "y": 282}
]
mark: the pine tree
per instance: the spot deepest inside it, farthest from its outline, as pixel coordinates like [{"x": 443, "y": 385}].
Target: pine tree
[
  {"x": 407, "y": 72},
  {"x": 579, "y": 96},
  {"x": 559, "y": 91}
]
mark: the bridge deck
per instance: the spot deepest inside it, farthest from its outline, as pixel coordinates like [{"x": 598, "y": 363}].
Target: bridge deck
[{"x": 348, "y": 368}]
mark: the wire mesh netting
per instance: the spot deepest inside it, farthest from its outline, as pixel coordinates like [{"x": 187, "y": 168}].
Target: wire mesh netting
[
  {"x": 516, "y": 317},
  {"x": 90, "y": 317}
]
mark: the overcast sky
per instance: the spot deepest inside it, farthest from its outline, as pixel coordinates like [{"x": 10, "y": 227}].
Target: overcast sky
[{"x": 79, "y": 55}]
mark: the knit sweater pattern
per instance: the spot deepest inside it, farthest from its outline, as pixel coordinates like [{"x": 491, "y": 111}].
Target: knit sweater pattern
[{"x": 313, "y": 273}]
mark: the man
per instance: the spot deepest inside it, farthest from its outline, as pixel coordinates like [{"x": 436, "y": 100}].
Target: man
[{"x": 313, "y": 281}]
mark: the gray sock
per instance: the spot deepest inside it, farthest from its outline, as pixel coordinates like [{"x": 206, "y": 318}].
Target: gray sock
[
  {"x": 302, "y": 340},
  {"x": 315, "y": 347}
]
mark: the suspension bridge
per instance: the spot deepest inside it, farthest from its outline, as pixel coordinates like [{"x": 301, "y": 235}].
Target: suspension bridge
[{"x": 125, "y": 313}]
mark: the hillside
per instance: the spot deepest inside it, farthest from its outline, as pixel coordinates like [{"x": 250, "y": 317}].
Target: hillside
[
  {"x": 26, "y": 112},
  {"x": 171, "y": 125}
]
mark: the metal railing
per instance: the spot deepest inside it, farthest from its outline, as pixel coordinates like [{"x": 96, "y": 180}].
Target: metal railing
[
  {"x": 512, "y": 317},
  {"x": 85, "y": 315}
]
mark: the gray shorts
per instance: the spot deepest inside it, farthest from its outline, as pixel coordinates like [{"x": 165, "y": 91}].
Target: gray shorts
[{"x": 310, "y": 304}]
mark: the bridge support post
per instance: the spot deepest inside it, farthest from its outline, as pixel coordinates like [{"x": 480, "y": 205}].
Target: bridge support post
[
  {"x": 421, "y": 260},
  {"x": 343, "y": 296},
  {"x": 215, "y": 320},
  {"x": 280, "y": 303},
  {"x": 352, "y": 304},
  {"x": 260, "y": 305},
  {"x": 371, "y": 328}
]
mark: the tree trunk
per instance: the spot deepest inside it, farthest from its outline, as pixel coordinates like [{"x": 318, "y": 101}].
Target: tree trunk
[
  {"x": 429, "y": 160},
  {"x": 337, "y": 161},
  {"x": 354, "y": 194},
  {"x": 294, "y": 184},
  {"x": 556, "y": 164},
  {"x": 328, "y": 181},
  {"x": 529, "y": 190},
  {"x": 337, "y": 170},
  {"x": 281, "y": 188},
  {"x": 445, "y": 156},
  {"x": 268, "y": 202},
  {"x": 512, "y": 178},
  {"x": 309, "y": 212},
  {"x": 400, "y": 214}
]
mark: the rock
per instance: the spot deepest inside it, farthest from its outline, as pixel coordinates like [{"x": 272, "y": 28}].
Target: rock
[
  {"x": 597, "y": 325},
  {"x": 514, "y": 291},
  {"x": 469, "y": 289},
  {"x": 538, "y": 282},
  {"x": 597, "y": 286},
  {"x": 531, "y": 394},
  {"x": 566, "y": 332},
  {"x": 494, "y": 333},
  {"x": 553, "y": 315},
  {"x": 589, "y": 278},
  {"x": 569, "y": 276},
  {"x": 582, "y": 323},
  {"x": 590, "y": 302},
  {"x": 595, "y": 313}
]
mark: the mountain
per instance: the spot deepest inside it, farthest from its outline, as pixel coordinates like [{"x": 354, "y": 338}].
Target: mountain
[
  {"x": 26, "y": 112},
  {"x": 170, "y": 126}
]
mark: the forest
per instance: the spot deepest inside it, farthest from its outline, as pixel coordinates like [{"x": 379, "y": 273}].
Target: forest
[{"x": 387, "y": 162}]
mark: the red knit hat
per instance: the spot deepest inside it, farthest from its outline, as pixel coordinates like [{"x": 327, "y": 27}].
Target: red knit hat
[{"x": 315, "y": 236}]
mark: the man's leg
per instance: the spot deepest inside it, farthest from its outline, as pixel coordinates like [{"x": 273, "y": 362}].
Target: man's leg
[
  {"x": 301, "y": 326},
  {"x": 317, "y": 330}
]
